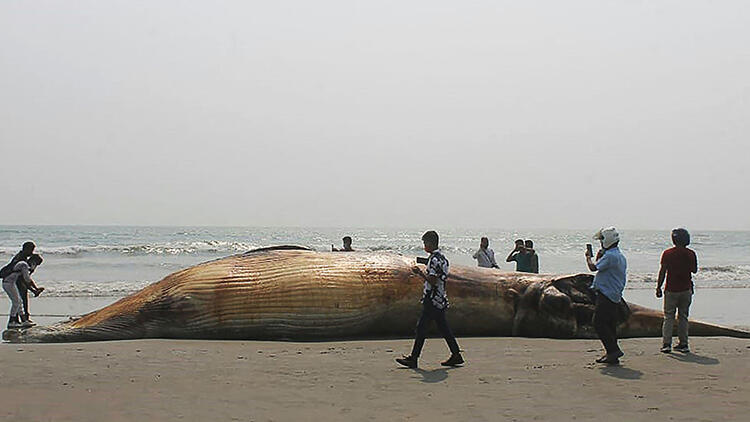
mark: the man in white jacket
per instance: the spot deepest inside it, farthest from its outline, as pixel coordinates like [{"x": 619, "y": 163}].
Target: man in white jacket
[{"x": 485, "y": 256}]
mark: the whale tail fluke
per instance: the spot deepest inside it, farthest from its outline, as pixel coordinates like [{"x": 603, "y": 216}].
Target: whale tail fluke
[{"x": 700, "y": 328}]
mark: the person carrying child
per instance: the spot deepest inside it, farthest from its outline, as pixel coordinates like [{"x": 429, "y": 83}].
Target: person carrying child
[{"x": 21, "y": 271}]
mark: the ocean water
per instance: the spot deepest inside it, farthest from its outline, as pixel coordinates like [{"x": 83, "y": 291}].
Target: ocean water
[{"x": 99, "y": 261}]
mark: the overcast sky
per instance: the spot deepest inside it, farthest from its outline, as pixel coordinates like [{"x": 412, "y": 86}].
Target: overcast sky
[{"x": 525, "y": 114}]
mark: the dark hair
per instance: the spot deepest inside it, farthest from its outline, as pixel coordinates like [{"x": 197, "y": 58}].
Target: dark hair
[
  {"x": 347, "y": 239},
  {"x": 431, "y": 237},
  {"x": 484, "y": 238},
  {"x": 35, "y": 259},
  {"x": 680, "y": 237},
  {"x": 519, "y": 241},
  {"x": 28, "y": 247},
  {"x": 529, "y": 244}
]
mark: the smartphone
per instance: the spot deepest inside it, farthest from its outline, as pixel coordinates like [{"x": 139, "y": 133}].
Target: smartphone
[
  {"x": 589, "y": 249},
  {"x": 421, "y": 260}
]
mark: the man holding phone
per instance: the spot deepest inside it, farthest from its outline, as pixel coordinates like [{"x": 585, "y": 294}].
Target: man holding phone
[
  {"x": 521, "y": 256},
  {"x": 609, "y": 283},
  {"x": 434, "y": 304}
]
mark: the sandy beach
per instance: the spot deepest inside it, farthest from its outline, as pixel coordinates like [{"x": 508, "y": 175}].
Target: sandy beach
[{"x": 514, "y": 379}]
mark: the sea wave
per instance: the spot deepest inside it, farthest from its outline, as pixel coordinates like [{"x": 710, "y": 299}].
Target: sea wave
[
  {"x": 92, "y": 289},
  {"x": 725, "y": 275},
  {"x": 168, "y": 248}
]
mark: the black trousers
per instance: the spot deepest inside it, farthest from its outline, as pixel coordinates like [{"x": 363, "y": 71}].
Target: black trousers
[
  {"x": 605, "y": 323},
  {"x": 24, "y": 292},
  {"x": 430, "y": 313}
]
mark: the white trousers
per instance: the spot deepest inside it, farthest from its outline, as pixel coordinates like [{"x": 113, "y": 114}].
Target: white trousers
[{"x": 16, "y": 304}]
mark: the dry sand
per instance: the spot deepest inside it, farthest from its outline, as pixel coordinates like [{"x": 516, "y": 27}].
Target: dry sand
[{"x": 504, "y": 379}]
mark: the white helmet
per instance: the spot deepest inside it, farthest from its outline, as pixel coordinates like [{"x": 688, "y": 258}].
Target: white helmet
[{"x": 608, "y": 236}]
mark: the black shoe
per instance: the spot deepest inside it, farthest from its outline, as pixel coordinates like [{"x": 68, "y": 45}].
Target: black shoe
[
  {"x": 667, "y": 348},
  {"x": 682, "y": 348},
  {"x": 407, "y": 361},
  {"x": 14, "y": 323},
  {"x": 454, "y": 360},
  {"x": 601, "y": 359}
]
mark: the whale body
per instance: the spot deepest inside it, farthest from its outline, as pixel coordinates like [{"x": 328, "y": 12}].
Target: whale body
[{"x": 293, "y": 293}]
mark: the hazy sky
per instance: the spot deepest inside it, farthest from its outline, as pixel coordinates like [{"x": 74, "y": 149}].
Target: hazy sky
[{"x": 524, "y": 114}]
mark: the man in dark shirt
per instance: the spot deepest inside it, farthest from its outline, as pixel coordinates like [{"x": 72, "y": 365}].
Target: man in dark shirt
[
  {"x": 677, "y": 264},
  {"x": 347, "y": 240},
  {"x": 533, "y": 257},
  {"x": 521, "y": 256}
]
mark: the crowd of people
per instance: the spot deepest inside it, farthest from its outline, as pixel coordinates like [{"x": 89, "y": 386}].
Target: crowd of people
[
  {"x": 675, "y": 275},
  {"x": 677, "y": 266}
]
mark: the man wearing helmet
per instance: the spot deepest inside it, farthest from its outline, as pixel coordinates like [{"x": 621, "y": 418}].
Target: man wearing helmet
[
  {"x": 609, "y": 282},
  {"x": 677, "y": 265}
]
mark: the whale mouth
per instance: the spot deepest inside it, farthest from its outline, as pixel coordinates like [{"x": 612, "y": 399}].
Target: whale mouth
[{"x": 564, "y": 305}]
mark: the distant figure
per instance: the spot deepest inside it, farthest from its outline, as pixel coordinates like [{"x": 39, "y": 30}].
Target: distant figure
[
  {"x": 22, "y": 270},
  {"x": 26, "y": 251},
  {"x": 434, "y": 304},
  {"x": 609, "y": 282},
  {"x": 485, "y": 256},
  {"x": 677, "y": 265},
  {"x": 521, "y": 257},
  {"x": 347, "y": 245},
  {"x": 534, "y": 258}
]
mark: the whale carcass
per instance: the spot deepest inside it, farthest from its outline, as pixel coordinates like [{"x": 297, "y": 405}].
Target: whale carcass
[{"x": 292, "y": 293}]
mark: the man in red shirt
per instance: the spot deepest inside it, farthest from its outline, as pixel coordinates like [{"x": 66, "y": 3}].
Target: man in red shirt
[{"x": 677, "y": 265}]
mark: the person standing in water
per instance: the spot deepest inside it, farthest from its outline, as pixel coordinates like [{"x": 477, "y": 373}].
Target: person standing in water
[
  {"x": 677, "y": 266},
  {"x": 521, "y": 257},
  {"x": 485, "y": 256},
  {"x": 533, "y": 258},
  {"x": 347, "y": 240}
]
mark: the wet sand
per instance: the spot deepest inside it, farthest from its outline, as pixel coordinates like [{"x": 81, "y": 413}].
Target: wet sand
[{"x": 504, "y": 379}]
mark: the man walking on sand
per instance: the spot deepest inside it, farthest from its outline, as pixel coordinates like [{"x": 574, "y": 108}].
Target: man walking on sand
[
  {"x": 434, "y": 304},
  {"x": 677, "y": 266}
]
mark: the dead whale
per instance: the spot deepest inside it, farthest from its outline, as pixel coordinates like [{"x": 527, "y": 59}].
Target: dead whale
[{"x": 292, "y": 293}]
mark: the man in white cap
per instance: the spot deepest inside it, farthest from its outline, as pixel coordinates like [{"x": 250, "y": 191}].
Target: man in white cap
[{"x": 609, "y": 282}]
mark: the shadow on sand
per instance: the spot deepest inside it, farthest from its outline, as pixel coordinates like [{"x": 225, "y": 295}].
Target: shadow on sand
[
  {"x": 621, "y": 372},
  {"x": 693, "y": 358},
  {"x": 433, "y": 375}
]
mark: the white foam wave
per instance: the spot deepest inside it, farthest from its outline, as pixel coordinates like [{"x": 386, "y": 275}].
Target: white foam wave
[
  {"x": 168, "y": 248},
  {"x": 92, "y": 289},
  {"x": 712, "y": 277}
]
